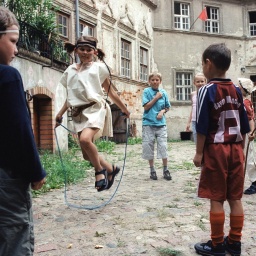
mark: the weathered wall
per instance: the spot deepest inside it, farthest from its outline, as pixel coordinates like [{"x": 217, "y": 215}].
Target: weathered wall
[
  {"x": 35, "y": 75},
  {"x": 179, "y": 50}
]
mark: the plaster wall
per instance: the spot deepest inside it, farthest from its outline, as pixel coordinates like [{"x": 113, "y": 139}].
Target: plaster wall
[
  {"x": 181, "y": 50},
  {"x": 34, "y": 75}
]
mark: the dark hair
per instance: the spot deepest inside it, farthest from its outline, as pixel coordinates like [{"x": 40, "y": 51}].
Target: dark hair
[
  {"x": 86, "y": 40},
  {"x": 7, "y": 19},
  {"x": 219, "y": 55}
]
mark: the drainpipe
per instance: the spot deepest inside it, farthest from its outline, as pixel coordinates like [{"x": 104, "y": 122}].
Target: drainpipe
[{"x": 77, "y": 23}]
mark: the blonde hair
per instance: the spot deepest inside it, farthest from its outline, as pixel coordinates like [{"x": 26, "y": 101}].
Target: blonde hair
[
  {"x": 199, "y": 74},
  {"x": 155, "y": 74}
]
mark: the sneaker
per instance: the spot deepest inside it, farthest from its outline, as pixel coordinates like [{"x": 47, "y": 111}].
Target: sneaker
[
  {"x": 208, "y": 249},
  {"x": 251, "y": 190},
  {"x": 167, "y": 175},
  {"x": 234, "y": 249},
  {"x": 153, "y": 176}
]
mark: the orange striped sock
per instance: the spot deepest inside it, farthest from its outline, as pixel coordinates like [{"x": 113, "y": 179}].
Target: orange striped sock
[
  {"x": 236, "y": 226},
  {"x": 217, "y": 220}
]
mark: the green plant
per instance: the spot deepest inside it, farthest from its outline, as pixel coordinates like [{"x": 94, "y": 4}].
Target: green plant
[
  {"x": 171, "y": 206},
  {"x": 74, "y": 170},
  {"x": 97, "y": 234},
  {"x": 134, "y": 140},
  {"x": 120, "y": 243},
  {"x": 188, "y": 165},
  {"x": 38, "y": 13},
  {"x": 105, "y": 146},
  {"x": 73, "y": 142},
  {"x": 168, "y": 252},
  {"x": 196, "y": 203},
  {"x": 162, "y": 214}
]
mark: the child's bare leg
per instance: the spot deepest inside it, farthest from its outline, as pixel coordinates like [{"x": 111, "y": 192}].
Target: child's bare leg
[
  {"x": 102, "y": 162},
  {"x": 217, "y": 206},
  {"x": 90, "y": 150},
  {"x": 151, "y": 163},
  {"x": 236, "y": 207},
  {"x": 165, "y": 161}
]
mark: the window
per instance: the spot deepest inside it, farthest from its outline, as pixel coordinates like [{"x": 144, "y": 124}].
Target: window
[
  {"x": 184, "y": 85},
  {"x": 252, "y": 23},
  {"x": 143, "y": 64},
  {"x": 212, "y": 23},
  {"x": 63, "y": 25},
  {"x": 88, "y": 28},
  {"x": 125, "y": 58},
  {"x": 181, "y": 16}
]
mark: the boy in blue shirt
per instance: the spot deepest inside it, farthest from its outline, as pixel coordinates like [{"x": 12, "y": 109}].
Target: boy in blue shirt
[{"x": 156, "y": 103}]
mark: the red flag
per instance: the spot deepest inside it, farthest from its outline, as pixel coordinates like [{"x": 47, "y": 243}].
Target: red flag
[{"x": 203, "y": 15}]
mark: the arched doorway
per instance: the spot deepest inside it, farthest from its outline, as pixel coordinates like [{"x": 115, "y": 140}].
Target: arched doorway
[{"x": 41, "y": 107}]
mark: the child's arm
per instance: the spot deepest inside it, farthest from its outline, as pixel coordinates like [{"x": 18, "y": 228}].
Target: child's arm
[
  {"x": 153, "y": 101},
  {"x": 190, "y": 116},
  {"x": 252, "y": 126},
  {"x": 199, "y": 150},
  {"x": 161, "y": 113},
  {"x": 189, "y": 121},
  {"x": 113, "y": 95}
]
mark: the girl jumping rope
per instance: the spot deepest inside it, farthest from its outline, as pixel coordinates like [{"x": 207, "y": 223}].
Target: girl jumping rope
[{"x": 91, "y": 113}]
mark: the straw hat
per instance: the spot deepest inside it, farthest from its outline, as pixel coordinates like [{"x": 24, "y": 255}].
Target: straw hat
[{"x": 247, "y": 85}]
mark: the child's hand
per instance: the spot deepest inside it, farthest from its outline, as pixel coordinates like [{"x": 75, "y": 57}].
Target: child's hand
[
  {"x": 198, "y": 160},
  {"x": 58, "y": 120},
  {"x": 125, "y": 113},
  {"x": 251, "y": 137},
  {"x": 159, "y": 95},
  {"x": 38, "y": 184},
  {"x": 160, "y": 114}
]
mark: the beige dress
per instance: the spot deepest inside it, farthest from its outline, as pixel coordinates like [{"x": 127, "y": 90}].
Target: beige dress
[{"x": 84, "y": 87}]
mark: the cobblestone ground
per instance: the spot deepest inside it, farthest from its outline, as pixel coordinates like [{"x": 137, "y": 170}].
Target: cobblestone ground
[{"x": 144, "y": 216}]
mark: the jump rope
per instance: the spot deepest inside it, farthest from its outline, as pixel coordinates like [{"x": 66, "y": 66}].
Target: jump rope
[{"x": 65, "y": 171}]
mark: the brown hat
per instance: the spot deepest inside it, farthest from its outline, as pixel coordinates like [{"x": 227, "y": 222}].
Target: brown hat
[
  {"x": 247, "y": 85},
  {"x": 91, "y": 44}
]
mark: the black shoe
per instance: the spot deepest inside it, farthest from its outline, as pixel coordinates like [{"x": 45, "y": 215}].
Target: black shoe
[
  {"x": 153, "y": 176},
  {"x": 234, "y": 249},
  {"x": 251, "y": 190},
  {"x": 207, "y": 249},
  {"x": 167, "y": 175}
]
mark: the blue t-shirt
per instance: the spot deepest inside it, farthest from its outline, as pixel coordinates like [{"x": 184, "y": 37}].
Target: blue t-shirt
[{"x": 149, "y": 116}]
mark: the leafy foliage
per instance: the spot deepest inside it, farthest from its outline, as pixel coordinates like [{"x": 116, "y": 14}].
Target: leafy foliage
[
  {"x": 168, "y": 252},
  {"x": 74, "y": 169},
  {"x": 105, "y": 146},
  {"x": 37, "y": 13},
  {"x": 134, "y": 140}
]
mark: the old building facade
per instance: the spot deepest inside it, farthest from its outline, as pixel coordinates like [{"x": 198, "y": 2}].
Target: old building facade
[
  {"x": 138, "y": 37},
  {"x": 180, "y": 38}
]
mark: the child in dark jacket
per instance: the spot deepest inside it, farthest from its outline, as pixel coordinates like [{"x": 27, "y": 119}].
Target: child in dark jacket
[{"x": 20, "y": 165}]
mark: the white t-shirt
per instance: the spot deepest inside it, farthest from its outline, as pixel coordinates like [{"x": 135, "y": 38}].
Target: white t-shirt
[{"x": 84, "y": 87}]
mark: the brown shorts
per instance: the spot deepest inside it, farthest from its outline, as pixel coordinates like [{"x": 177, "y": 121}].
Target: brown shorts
[{"x": 222, "y": 174}]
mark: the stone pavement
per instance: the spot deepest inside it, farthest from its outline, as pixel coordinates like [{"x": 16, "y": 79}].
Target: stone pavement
[{"x": 143, "y": 216}]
